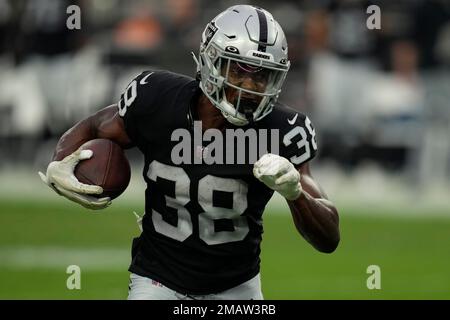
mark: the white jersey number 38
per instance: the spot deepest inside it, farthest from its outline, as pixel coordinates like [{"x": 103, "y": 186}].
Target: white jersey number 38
[{"x": 206, "y": 220}]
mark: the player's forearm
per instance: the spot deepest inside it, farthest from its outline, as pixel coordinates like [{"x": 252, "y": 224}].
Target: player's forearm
[
  {"x": 105, "y": 124},
  {"x": 73, "y": 138},
  {"x": 317, "y": 220}
]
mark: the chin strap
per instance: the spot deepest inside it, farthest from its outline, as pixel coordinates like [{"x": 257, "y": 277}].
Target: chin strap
[
  {"x": 249, "y": 117},
  {"x": 234, "y": 121},
  {"x": 195, "y": 60}
]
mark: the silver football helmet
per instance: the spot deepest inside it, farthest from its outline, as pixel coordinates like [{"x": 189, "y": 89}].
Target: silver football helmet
[{"x": 243, "y": 41}]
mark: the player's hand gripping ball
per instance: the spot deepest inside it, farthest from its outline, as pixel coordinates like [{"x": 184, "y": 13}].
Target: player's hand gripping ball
[{"x": 92, "y": 176}]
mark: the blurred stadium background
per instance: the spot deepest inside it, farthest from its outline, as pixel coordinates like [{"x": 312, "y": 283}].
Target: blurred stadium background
[{"x": 379, "y": 100}]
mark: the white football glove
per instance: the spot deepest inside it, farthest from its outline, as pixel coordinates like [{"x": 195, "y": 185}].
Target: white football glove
[
  {"x": 278, "y": 174},
  {"x": 61, "y": 178}
]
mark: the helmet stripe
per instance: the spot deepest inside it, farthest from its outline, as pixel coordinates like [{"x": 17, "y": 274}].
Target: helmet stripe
[{"x": 262, "y": 30}]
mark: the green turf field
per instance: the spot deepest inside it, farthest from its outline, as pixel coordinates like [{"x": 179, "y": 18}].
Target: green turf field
[{"x": 38, "y": 240}]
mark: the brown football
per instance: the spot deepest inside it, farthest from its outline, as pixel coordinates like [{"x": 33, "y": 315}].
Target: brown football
[{"x": 108, "y": 167}]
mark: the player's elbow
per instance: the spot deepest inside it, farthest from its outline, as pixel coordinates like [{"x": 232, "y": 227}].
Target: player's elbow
[
  {"x": 328, "y": 245},
  {"x": 330, "y": 248},
  {"x": 331, "y": 240}
]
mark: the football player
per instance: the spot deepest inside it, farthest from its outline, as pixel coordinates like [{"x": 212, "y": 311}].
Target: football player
[{"x": 203, "y": 224}]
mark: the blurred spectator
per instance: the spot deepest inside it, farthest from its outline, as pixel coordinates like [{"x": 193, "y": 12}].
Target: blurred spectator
[
  {"x": 6, "y": 21},
  {"x": 43, "y": 29},
  {"x": 138, "y": 32},
  {"x": 182, "y": 30},
  {"x": 372, "y": 93},
  {"x": 317, "y": 30},
  {"x": 349, "y": 36},
  {"x": 430, "y": 19}
]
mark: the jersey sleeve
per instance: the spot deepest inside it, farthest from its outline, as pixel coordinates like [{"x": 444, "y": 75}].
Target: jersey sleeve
[
  {"x": 298, "y": 139},
  {"x": 136, "y": 104}
]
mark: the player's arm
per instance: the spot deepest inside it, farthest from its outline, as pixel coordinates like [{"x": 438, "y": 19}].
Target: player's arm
[
  {"x": 60, "y": 176},
  {"x": 105, "y": 124},
  {"x": 315, "y": 217}
]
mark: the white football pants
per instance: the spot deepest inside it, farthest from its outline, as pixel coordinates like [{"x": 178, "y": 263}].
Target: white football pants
[{"x": 142, "y": 288}]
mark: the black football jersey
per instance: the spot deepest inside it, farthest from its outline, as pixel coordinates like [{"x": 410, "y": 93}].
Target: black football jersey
[{"x": 203, "y": 223}]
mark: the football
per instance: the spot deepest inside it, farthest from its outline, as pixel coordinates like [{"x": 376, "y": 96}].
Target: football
[{"x": 108, "y": 167}]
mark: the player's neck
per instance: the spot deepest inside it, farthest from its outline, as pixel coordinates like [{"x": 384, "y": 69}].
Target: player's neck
[{"x": 210, "y": 116}]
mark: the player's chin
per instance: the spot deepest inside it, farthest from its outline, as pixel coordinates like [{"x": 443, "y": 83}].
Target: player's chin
[
  {"x": 247, "y": 103},
  {"x": 233, "y": 96}
]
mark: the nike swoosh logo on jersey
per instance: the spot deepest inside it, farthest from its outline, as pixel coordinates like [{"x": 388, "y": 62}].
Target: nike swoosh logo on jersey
[
  {"x": 292, "y": 121},
  {"x": 144, "y": 79}
]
